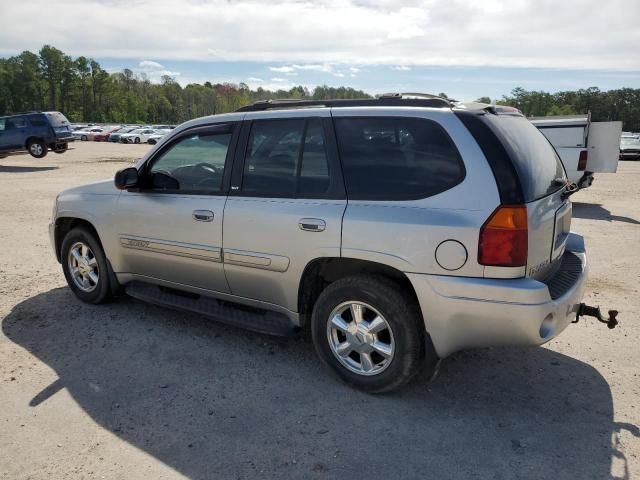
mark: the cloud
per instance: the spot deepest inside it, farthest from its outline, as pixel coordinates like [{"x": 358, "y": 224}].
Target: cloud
[
  {"x": 150, "y": 65},
  {"x": 255, "y": 80},
  {"x": 283, "y": 69},
  {"x": 278, "y": 79},
  {"x": 296, "y": 36},
  {"x": 402, "y": 68}
]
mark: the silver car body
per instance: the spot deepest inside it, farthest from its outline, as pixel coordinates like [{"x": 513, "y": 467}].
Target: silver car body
[{"x": 254, "y": 250}]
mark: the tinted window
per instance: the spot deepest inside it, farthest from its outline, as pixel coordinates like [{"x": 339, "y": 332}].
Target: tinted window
[
  {"x": 196, "y": 162},
  {"x": 15, "y": 122},
  {"x": 537, "y": 164},
  {"x": 286, "y": 158},
  {"x": 38, "y": 121},
  {"x": 396, "y": 158},
  {"x": 2, "y": 123}
]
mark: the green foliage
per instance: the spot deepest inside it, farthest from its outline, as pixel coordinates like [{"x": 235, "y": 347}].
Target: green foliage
[
  {"x": 621, "y": 104},
  {"x": 84, "y": 91}
]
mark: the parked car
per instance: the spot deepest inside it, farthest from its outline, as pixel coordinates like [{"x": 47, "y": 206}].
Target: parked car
[
  {"x": 87, "y": 133},
  {"x": 105, "y": 134},
  {"x": 139, "y": 135},
  {"x": 399, "y": 235},
  {"x": 115, "y": 136},
  {"x": 630, "y": 148},
  {"x": 585, "y": 147},
  {"x": 35, "y": 132},
  {"x": 155, "y": 138}
]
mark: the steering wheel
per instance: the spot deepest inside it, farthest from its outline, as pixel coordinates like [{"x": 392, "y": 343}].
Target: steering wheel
[{"x": 210, "y": 169}]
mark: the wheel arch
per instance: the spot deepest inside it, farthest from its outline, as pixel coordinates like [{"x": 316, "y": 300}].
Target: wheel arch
[
  {"x": 321, "y": 272},
  {"x": 64, "y": 225},
  {"x": 32, "y": 138}
]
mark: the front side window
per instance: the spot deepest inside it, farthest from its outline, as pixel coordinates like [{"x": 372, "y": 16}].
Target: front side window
[
  {"x": 387, "y": 158},
  {"x": 286, "y": 158},
  {"x": 194, "y": 163}
]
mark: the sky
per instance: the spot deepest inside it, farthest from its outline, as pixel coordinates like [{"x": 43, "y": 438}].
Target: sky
[{"x": 465, "y": 48}]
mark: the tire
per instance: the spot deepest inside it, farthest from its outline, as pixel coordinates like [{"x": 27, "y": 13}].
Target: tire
[
  {"x": 3, "y": 155},
  {"x": 37, "y": 148},
  {"x": 152, "y": 141},
  {"x": 96, "y": 288},
  {"x": 61, "y": 148},
  {"x": 83, "y": 138},
  {"x": 404, "y": 338},
  {"x": 137, "y": 140}
]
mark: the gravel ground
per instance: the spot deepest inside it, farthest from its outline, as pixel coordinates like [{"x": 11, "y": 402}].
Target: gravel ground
[{"x": 129, "y": 390}]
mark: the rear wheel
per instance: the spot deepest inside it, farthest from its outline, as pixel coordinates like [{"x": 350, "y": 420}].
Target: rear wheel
[
  {"x": 83, "y": 138},
  {"x": 37, "y": 148},
  {"x": 61, "y": 148},
  {"x": 85, "y": 266},
  {"x": 370, "y": 333}
]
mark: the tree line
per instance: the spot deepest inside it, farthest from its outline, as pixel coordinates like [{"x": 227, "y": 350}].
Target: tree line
[{"x": 84, "y": 91}]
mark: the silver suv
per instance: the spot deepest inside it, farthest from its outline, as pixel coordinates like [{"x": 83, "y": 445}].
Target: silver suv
[{"x": 398, "y": 230}]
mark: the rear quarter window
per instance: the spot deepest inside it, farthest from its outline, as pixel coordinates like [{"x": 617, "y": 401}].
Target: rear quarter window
[
  {"x": 536, "y": 162},
  {"x": 56, "y": 119},
  {"x": 389, "y": 158}
]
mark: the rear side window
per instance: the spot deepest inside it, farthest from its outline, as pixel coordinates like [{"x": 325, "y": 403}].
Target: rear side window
[
  {"x": 387, "y": 158},
  {"x": 286, "y": 158},
  {"x": 537, "y": 164},
  {"x": 38, "y": 121},
  {"x": 15, "y": 122}
]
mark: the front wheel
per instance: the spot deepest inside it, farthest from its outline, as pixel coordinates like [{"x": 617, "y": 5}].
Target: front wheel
[
  {"x": 83, "y": 138},
  {"x": 137, "y": 140},
  {"x": 37, "y": 148},
  {"x": 370, "y": 333},
  {"x": 85, "y": 266}
]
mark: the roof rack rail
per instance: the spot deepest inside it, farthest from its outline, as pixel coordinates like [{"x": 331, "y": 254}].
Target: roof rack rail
[{"x": 386, "y": 100}]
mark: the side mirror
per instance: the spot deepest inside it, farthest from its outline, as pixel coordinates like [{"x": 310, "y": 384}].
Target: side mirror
[{"x": 126, "y": 178}]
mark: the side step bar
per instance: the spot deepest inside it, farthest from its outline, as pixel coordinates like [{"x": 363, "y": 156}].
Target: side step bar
[{"x": 258, "y": 320}]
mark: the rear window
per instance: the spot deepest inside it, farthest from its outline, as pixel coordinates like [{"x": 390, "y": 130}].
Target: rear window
[
  {"x": 387, "y": 158},
  {"x": 537, "y": 164},
  {"x": 56, "y": 119}
]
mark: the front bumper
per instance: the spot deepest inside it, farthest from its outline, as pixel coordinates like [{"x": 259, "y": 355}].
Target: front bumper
[{"x": 462, "y": 312}]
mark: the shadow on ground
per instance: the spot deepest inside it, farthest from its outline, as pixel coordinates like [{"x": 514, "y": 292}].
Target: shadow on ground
[
  {"x": 211, "y": 400},
  {"x": 19, "y": 169},
  {"x": 595, "y": 211}
]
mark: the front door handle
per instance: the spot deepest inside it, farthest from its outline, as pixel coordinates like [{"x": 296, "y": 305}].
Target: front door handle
[
  {"x": 312, "y": 224},
  {"x": 203, "y": 215}
]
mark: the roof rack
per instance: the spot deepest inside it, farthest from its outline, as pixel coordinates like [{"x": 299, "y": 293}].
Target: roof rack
[{"x": 386, "y": 100}]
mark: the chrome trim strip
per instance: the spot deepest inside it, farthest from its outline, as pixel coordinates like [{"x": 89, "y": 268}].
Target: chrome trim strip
[
  {"x": 189, "y": 250},
  {"x": 263, "y": 261}
]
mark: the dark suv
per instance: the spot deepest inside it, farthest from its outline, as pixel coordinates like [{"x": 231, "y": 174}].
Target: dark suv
[{"x": 36, "y": 132}]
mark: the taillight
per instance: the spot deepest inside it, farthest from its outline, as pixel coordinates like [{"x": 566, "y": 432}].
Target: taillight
[
  {"x": 504, "y": 238},
  {"x": 582, "y": 161}
]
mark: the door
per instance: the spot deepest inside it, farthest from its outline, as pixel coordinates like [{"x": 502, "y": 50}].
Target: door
[
  {"x": 171, "y": 229},
  {"x": 285, "y": 206},
  {"x": 604, "y": 146},
  {"x": 12, "y": 136}
]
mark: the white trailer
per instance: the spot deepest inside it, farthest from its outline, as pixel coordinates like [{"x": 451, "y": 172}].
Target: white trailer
[{"x": 585, "y": 147}]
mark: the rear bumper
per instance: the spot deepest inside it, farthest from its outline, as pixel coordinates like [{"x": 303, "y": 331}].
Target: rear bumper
[{"x": 461, "y": 312}]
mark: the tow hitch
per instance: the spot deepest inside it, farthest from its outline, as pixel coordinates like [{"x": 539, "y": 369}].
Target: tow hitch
[{"x": 586, "y": 310}]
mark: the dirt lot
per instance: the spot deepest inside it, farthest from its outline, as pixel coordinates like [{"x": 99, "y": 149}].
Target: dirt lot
[{"x": 132, "y": 391}]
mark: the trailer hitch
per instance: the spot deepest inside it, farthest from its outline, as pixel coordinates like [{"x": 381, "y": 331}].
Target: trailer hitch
[{"x": 585, "y": 310}]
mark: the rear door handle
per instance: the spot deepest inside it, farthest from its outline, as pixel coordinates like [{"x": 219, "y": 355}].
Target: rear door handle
[
  {"x": 312, "y": 224},
  {"x": 203, "y": 215}
]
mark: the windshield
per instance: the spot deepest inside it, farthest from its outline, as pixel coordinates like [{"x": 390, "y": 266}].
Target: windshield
[{"x": 630, "y": 142}]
